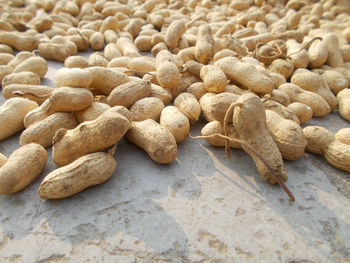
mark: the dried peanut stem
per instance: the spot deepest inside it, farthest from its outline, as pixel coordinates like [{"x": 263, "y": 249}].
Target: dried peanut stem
[
  {"x": 228, "y": 112},
  {"x": 111, "y": 151},
  {"x": 266, "y": 98},
  {"x": 82, "y": 37},
  {"x": 194, "y": 20},
  {"x": 304, "y": 46},
  {"x": 244, "y": 143}
]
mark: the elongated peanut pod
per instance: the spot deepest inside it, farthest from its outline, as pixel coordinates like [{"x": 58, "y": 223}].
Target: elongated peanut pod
[
  {"x": 23, "y": 166},
  {"x": 86, "y": 171}
]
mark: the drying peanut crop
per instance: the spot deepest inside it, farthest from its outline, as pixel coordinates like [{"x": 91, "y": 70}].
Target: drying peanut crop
[{"x": 257, "y": 71}]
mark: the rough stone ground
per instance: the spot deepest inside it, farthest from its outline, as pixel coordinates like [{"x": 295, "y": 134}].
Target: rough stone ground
[{"x": 201, "y": 208}]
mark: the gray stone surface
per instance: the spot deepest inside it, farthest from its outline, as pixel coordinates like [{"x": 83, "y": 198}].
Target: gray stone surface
[{"x": 201, "y": 208}]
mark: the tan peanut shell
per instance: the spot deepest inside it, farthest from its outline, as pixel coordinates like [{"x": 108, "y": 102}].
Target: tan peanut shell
[
  {"x": 97, "y": 59},
  {"x": 5, "y": 58},
  {"x": 322, "y": 141},
  {"x": 318, "y": 105},
  {"x": 73, "y": 77},
  {"x": 71, "y": 99},
  {"x": 193, "y": 67},
  {"x": 318, "y": 139},
  {"x": 245, "y": 74},
  {"x": 127, "y": 47},
  {"x": 338, "y": 155},
  {"x": 204, "y": 103},
  {"x": 250, "y": 123},
  {"x": 92, "y": 112},
  {"x": 118, "y": 62},
  {"x": 146, "y": 108},
  {"x": 42, "y": 132},
  {"x": 280, "y": 110},
  {"x": 20, "y": 57},
  {"x": 161, "y": 93},
  {"x": 97, "y": 41},
  {"x": 128, "y": 93},
  {"x": 197, "y": 89},
  {"x": 185, "y": 81},
  {"x": 156, "y": 140},
  {"x": 4, "y": 71},
  {"x": 111, "y": 51},
  {"x": 282, "y": 67},
  {"x": 22, "y": 167},
  {"x": 296, "y": 55},
  {"x": 335, "y": 80},
  {"x": 287, "y": 134},
  {"x": 86, "y": 171},
  {"x": 3, "y": 159},
  {"x": 204, "y": 49},
  {"x": 88, "y": 137},
  {"x": 301, "y": 110},
  {"x": 280, "y": 97},
  {"x": 168, "y": 74},
  {"x": 343, "y": 135},
  {"x": 25, "y": 77},
  {"x": 186, "y": 54},
  {"x": 188, "y": 105},
  {"x": 12, "y": 113},
  {"x": 335, "y": 58},
  {"x": 157, "y": 48},
  {"x": 225, "y": 53},
  {"x": 19, "y": 41},
  {"x": 214, "y": 127},
  {"x": 43, "y": 24},
  {"x": 174, "y": 32},
  {"x": 176, "y": 122},
  {"x": 6, "y": 49},
  {"x": 220, "y": 103},
  {"x": 54, "y": 51},
  {"x": 76, "y": 62},
  {"x": 73, "y": 50},
  {"x": 313, "y": 82},
  {"x": 318, "y": 53},
  {"x": 214, "y": 78},
  {"x": 344, "y": 103},
  {"x": 34, "y": 64},
  {"x": 82, "y": 42},
  {"x": 39, "y": 113},
  {"x": 37, "y": 93},
  {"x": 105, "y": 80},
  {"x": 142, "y": 64}
]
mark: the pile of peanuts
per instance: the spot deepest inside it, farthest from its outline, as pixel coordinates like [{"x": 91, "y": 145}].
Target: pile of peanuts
[{"x": 255, "y": 70}]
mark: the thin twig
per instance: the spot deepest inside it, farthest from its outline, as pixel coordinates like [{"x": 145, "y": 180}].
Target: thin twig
[
  {"x": 304, "y": 46},
  {"x": 266, "y": 98},
  {"x": 194, "y": 20},
  {"x": 82, "y": 37},
  {"x": 111, "y": 151},
  {"x": 244, "y": 143},
  {"x": 228, "y": 112}
]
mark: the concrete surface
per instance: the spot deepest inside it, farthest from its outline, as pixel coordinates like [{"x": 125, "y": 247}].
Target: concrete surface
[{"x": 201, "y": 208}]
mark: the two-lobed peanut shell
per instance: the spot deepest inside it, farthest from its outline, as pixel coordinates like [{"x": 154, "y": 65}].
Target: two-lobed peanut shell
[
  {"x": 156, "y": 140},
  {"x": 86, "y": 171},
  {"x": 42, "y": 132},
  {"x": 22, "y": 167},
  {"x": 89, "y": 136}
]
